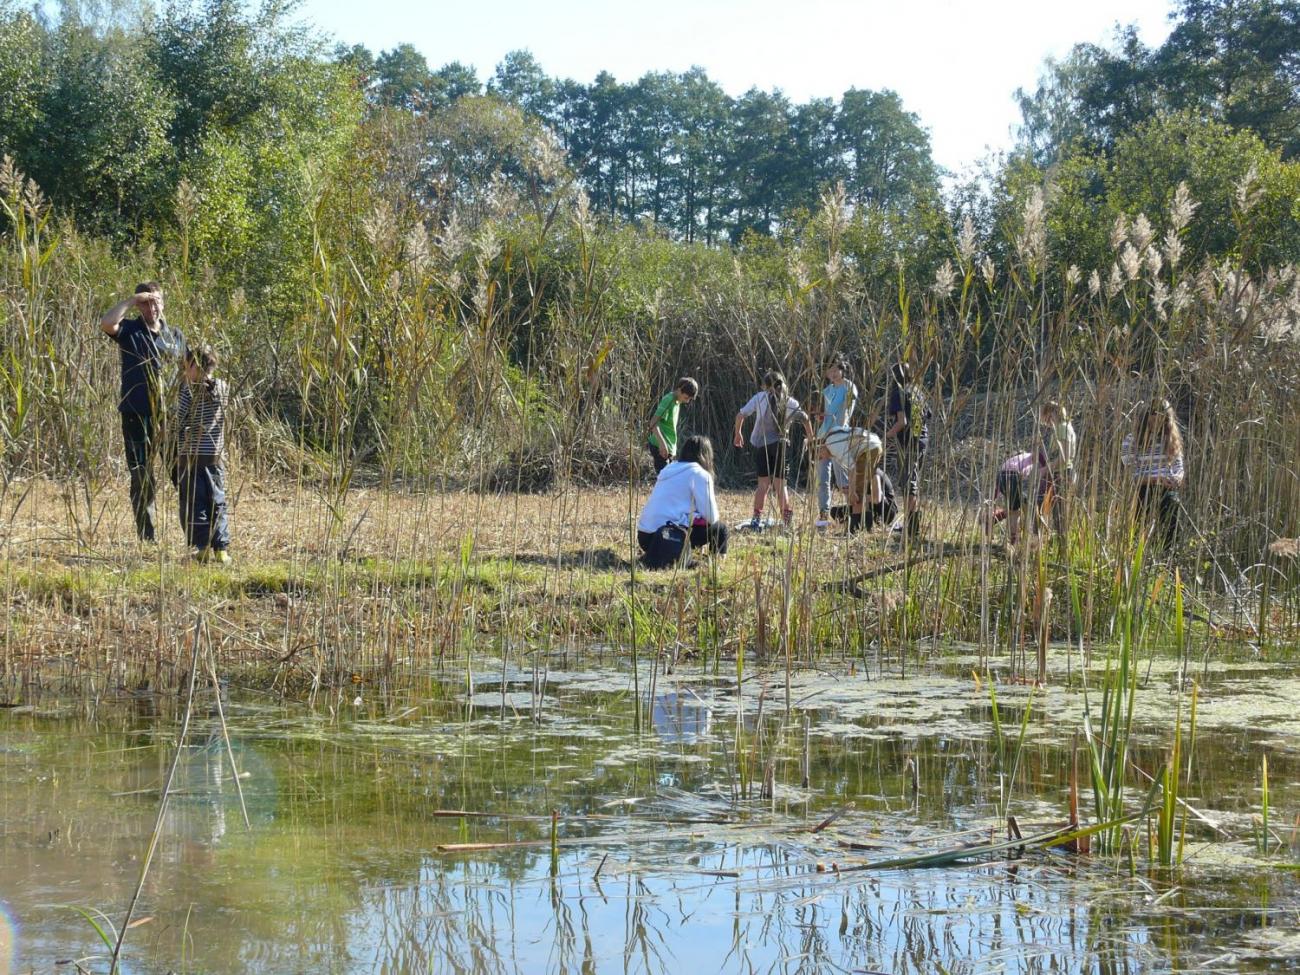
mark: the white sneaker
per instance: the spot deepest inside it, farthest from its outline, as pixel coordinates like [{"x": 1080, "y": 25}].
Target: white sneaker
[{"x": 822, "y": 523}]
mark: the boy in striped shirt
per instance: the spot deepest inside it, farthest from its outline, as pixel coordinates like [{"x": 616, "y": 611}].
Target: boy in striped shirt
[{"x": 200, "y": 472}]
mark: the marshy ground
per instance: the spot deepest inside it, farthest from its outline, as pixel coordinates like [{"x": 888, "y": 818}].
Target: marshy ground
[{"x": 384, "y": 577}]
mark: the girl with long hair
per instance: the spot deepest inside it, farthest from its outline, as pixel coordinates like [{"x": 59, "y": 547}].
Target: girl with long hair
[
  {"x": 1153, "y": 453},
  {"x": 773, "y": 409},
  {"x": 682, "y": 510}
]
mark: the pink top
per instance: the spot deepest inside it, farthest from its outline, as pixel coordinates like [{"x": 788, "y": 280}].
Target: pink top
[{"x": 1021, "y": 465}]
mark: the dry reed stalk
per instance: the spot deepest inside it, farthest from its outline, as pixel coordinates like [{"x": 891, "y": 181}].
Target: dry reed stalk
[{"x": 163, "y": 801}]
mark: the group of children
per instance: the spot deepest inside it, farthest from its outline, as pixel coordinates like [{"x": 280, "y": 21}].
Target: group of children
[
  {"x": 1043, "y": 480},
  {"x": 682, "y": 511}
]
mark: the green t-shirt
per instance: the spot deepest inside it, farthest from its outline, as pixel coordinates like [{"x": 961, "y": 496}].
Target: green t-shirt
[{"x": 666, "y": 413}]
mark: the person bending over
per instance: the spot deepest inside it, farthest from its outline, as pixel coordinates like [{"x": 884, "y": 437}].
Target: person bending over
[
  {"x": 870, "y": 491},
  {"x": 1020, "y": 483},
  {"x": 682, "y": 510}
]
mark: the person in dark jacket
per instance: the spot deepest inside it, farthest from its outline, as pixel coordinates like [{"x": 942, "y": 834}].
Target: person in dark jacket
[
  {"x": 147, "y": 345},
  {"x": 908, "y": 419}
]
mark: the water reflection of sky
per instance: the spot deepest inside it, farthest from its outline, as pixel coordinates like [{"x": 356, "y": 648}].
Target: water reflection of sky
[{"x": 634, "y": 919}]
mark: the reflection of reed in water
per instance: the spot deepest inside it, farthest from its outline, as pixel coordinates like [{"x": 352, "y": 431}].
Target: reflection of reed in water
[
  {"x": 204, "y": 796},
  {"x": 747, "y": 909}
]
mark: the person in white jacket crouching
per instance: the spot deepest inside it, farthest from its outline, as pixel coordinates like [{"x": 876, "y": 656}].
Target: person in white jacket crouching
[{"x": 682, "y": 511}]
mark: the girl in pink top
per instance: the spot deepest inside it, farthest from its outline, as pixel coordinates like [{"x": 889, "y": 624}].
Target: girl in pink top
[{"x": 1020, "y": 478}]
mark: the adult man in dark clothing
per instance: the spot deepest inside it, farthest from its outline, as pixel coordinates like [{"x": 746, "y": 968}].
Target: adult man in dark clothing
[
  {"x": 908, "y": 419},
  {"x": 147, "y": 344}
]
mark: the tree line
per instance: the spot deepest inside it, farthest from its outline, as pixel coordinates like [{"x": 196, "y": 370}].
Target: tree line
[
  {"x": 108, "y": 117},
  {"x": 676, "y": 151},
  {"x": 1233, "y": 61},
  {"x": 110, "y": 114}
]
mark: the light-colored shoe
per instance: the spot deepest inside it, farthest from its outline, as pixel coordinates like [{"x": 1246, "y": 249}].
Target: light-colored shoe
[{"x": 222, "y": 556}]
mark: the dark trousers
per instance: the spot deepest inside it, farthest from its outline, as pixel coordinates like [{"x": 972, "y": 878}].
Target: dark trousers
[
  {"x": 907, "y": 456},
  {"x": 872, "y": 515},
  {"x": 138, "y": 431},
  {"x": 879, "y": 514},
  {"x": 663, "y": 548},
  {"x": 1012, "y": 488},
  {"x": 656, "y": 459},
  {"x": 1164, "y": 506},
  {"x": 202, "y": 486}
]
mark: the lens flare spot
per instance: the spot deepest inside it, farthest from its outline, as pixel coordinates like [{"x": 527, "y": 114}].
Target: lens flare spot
[{"x": 8, "y": 940}]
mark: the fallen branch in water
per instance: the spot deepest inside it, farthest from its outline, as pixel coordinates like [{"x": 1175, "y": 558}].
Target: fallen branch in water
[
  {"x": 854, "y": 586},
  {"x": 832, "y": 817}
]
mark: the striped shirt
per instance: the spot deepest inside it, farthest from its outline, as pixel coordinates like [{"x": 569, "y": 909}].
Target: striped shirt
[
  {"x": 1152, "y": 464},
  {"x": 201, "y": 418}
]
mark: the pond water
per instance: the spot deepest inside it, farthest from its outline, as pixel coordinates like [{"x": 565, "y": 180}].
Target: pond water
[{"x": 683, "y": 841}]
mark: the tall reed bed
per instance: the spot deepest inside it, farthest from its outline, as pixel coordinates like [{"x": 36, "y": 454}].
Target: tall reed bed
[{"x": 394, "y": 421}]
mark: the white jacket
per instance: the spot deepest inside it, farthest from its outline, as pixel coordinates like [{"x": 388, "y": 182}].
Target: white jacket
[
  {"x": 846, "y": 445},
  {"x": 682, "y": 492}
]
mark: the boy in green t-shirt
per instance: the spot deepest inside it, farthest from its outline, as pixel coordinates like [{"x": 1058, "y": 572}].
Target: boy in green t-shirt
[{"x": 662, "y": 439}]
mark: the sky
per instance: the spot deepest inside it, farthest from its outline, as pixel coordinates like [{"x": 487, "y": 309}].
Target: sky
[{"x": 956, "y": 63}]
